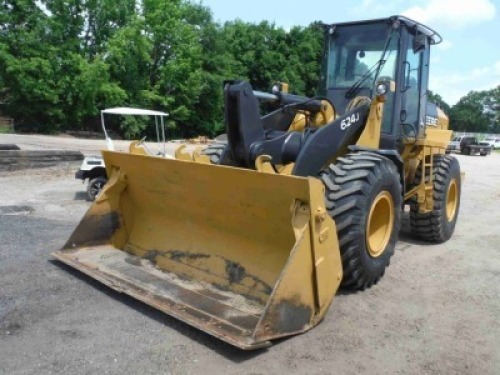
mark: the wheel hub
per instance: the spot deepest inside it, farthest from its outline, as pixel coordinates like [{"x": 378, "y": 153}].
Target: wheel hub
[
  {"x": 451, "y": 200},
  {"x": 380, "y": 223}
]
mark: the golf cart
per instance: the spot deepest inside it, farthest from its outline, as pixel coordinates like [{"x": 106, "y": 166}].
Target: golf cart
[{"x": 93, "y": 168}]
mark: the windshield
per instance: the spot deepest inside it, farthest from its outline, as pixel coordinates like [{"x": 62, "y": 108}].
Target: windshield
[
  {"x": 355, "y": 53},
  {"x": 456, "y": 139}
]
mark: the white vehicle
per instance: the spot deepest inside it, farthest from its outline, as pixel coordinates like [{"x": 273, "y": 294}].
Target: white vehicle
[
  {"x": 93, "y": 168},
  {"x": 455, "y": 143},
  {"x": 493, "y": 142}
]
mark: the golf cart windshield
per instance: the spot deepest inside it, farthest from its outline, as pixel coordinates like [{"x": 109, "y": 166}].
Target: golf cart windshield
[
  {"x": 158, "y": 119},
  {"x": 358, "y": 54}
]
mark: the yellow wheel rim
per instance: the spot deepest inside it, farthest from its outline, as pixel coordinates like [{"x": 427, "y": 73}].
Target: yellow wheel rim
[
  {"x": 451, "y": 200},
  {"x": 380, "y": 224}
]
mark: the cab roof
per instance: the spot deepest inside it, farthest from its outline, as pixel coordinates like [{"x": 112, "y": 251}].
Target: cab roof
[{"x": 432, "y": 35}]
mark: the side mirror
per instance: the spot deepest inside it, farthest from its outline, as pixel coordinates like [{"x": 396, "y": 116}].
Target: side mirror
[{"x": 419, "y": 43}]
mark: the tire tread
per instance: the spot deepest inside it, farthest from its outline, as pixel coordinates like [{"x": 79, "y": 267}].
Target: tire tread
[{"x": 347, "y": 186}]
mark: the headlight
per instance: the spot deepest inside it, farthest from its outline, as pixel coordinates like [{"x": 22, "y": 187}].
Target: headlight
[{"x": 381, "y": 89}]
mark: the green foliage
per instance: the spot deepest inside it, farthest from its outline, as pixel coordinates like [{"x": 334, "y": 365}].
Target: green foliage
[
  {"x": 134, "y": 126},
  {"x": 4, "y": 130},
  {"x": 478, "y": 111},
  {"x": 63, "y": 61},
  {"x": 276, "y": 55},
  {"x": 436, "y": 98}
]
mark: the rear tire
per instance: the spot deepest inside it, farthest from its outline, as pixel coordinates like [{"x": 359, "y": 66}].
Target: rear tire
[
  {"x": 219, "y": 154},
  {"x": 363, "y": 196},
  {"x": 215, "y": 152},
  {"x": 94, "y": 187},
  {"x": 439, "y": 224}
]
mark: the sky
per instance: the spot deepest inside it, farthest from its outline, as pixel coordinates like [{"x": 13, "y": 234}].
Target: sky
[{"x": 467, "y": 59}]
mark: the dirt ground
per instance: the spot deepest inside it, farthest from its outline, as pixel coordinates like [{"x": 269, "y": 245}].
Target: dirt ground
[{"x": 436, "y": 311}]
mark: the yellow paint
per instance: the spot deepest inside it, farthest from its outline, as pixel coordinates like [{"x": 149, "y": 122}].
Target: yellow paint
[
  {"x": 357, "y": 101},
  {"x": 325, "y": 246},
  {"x": 326, "y": 115},
  {"x": 303, "y": 119},
  {"x": 436, "y": 138},
  {"x": 379, "y": 224},
  {"x": 442, "y": 120},
  {"x": 283, "y": 87},
  {"x": 137, "y": 148},
  {"x": 451, "y": 200},
  {"x": 285, "y": 169},
  {"x": 299, "y": 123},
  {"x": 268, "y": 238},
  {"x": 181, "y": 153},
  {"x": 263, "y": 164},
  {"x": 199, "y": 157},
  {"x": 370, "y": 137}
]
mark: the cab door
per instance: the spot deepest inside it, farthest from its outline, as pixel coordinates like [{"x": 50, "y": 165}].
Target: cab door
[{"x": 415, "y": 68}]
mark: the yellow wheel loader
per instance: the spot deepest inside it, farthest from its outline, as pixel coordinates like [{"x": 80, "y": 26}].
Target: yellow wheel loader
[{"x": 250, "y": 240}]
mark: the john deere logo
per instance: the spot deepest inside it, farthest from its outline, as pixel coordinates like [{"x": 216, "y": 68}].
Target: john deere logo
[{"x": 429, "y": 120}]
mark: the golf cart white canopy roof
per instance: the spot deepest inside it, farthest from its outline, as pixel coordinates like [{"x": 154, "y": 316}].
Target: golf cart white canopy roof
[
  {"x": 158, "y": 117},
  {"x": 133, "y": 112}
]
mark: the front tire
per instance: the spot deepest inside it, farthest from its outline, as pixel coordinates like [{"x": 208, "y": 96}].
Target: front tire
[
  {"x": 215, "y": 152},
  {"x": 219, "y": 154},
  {"x": 363, "y": 196},
  {"x": 94, "y": 187},
  {"x": 439, "y": 224}
]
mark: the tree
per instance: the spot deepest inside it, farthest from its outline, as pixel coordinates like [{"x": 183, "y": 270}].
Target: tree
[
  {"x": 61, "y": 61},
  {"x": 491, "y": 108},
  {"x": 216, "y": 67},
  {"x": 30, "y": 91},
  {"x": 478, "y": 111},
  {"x": 436, "y": 98},
  {"x": 48, "y": 85},
  {"x": 264, "y": 54}
]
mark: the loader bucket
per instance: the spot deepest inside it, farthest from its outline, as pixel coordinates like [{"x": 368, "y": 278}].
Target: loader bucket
[{"x": 244, "y": 256}]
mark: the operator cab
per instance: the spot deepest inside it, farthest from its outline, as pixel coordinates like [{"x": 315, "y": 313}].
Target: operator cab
[{"x": 358, "y": 54}]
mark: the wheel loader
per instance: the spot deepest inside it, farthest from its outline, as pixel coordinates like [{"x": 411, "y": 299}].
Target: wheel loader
[{"x": 250, "y": 240}]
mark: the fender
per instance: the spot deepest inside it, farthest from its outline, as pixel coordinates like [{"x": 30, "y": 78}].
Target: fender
[
  {"x": 393, "y": 155},
  {"x": 327, "y": 141}
]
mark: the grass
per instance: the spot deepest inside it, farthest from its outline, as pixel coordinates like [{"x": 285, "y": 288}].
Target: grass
[{"x": 5, "y": 130}]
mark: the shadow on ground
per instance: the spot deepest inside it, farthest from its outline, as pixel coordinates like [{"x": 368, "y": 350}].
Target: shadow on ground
[{"x": 80, "y": 196}]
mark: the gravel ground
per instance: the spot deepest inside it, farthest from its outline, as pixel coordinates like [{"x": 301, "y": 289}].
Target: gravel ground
[{"x": 435, "y": 311}]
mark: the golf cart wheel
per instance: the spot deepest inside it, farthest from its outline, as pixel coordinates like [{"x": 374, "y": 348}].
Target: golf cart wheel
[{"x": 94, "y": 187}]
